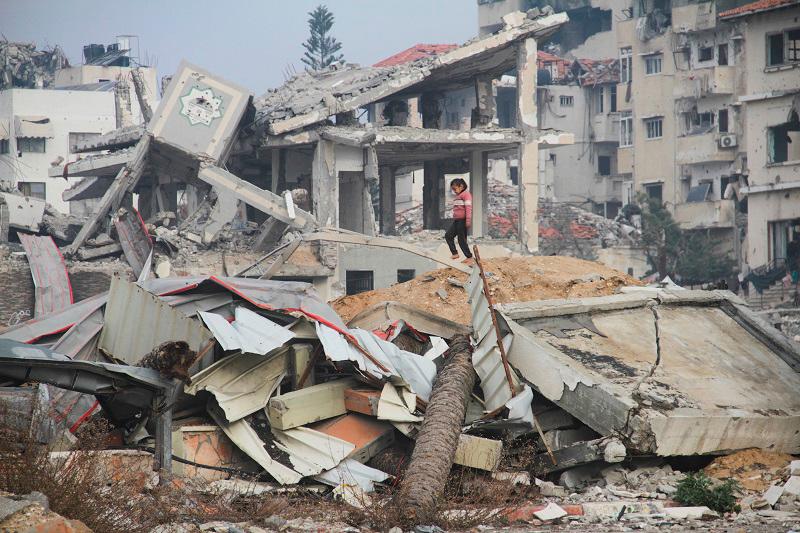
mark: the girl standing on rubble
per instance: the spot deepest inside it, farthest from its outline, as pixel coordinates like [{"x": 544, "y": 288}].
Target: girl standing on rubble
[{"x": 462, "y": 220}]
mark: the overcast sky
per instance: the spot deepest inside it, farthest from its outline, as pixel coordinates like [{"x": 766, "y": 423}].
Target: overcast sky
[{"x": 250, "y": 42}]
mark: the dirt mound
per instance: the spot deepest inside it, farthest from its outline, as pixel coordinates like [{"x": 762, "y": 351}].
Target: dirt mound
[
  {"x": 513, "y": 279},
  {"x": 754, "y": 469}
]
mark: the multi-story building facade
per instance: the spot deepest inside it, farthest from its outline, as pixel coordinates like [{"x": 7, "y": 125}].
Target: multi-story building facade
[
  {"x": 770, "y": 31},
  {"x": 38, "y": 126}
]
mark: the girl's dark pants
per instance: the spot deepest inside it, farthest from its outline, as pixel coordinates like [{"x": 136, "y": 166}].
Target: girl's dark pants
[{"x": 458, "y": 229}]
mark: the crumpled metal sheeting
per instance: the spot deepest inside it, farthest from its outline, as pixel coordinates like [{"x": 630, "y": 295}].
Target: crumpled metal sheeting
[
  {"x": 241, "y": 383},
  {"x": 50, "y": 279},
  {"x": 289, "y": 296},
  {"x": 54, "y": 323},
  {"x": 412, "y": 369},
  {"x": 123, "y": 390},
  {"x": 351, "y": 472},
  {"x": 486, "y": 357},
  {"x": 310, "y": 451},
  {"x": 249, "y": 333}
]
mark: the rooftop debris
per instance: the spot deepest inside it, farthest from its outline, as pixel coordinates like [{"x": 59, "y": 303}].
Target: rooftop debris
[{"x": 23, "y": 66}]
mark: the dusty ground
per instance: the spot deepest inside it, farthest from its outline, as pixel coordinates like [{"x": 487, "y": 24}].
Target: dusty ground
[
  {"x": 754, "y": 469},
  {"x": 514, "y": 279}
]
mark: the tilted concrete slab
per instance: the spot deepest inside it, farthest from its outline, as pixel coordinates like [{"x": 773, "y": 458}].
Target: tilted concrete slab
[
  {"x": 102, "y": 165},
  {"x": 670, "y": 372}
]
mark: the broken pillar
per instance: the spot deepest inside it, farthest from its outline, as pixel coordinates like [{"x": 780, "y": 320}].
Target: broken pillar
[
  {"x": 528, "y": 149},
  {"x": 388, "y": 197},
  {"x": 484, "y": 96},
  {"x": 432, "y": 175},
  {"x": 325, "y": 186},
  {"x": 479, "y": 186}
]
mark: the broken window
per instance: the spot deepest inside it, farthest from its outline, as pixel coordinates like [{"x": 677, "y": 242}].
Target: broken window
[
  {"x": 626, "y": 129},
  {"x": 357, "y": 281},
  {"x": 722, "y": 120},
  {"x": 784, "y": 141},
  {"x": 613, "y": 99},
  {"x": 604, "y": 165},
  {"x": 405, "y": 274},
  {"x": 31, "y": 144},
  {"x": 722, "y": 54},
  {"x": 4, "y": 146},
  {"x": 783, "y": 47},
  {"x": 654, "y": 191},
  {"x": 654, "y": 127},
  {"x": 33, "y": 189},
  {"x": 698, "y": 123},
  {"x": 699, "y": 193},
  {"x": 513, "y": 175},
  {"x": 705, "y": 53},
  {"x": 652, "y": 64},
  {"x": 775, "y": 49},
  {"x": 793, "y": 45},
  {"x": 566, "y": 101},
  {"x": 625, "y": 64},
  {"x": 600, "y": 96}
]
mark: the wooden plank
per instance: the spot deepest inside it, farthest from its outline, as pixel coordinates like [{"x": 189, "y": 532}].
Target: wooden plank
[
  {"x": 363, "y": 401},
  {"x": 311, "y": 404},
  {"x": 478, "y": 452}
]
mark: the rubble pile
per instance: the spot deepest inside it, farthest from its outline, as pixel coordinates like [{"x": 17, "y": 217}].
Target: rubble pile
[
  {"x": 23, "y": 66},
  {"x": 564, "y": 229},
  {"x": 516, "y": 279}
]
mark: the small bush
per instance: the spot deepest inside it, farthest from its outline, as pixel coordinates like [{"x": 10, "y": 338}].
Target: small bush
[{"x": 697, "y": 489}]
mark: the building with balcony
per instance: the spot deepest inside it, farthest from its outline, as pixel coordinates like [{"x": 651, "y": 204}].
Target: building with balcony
[{"x": 770, "y": 30}]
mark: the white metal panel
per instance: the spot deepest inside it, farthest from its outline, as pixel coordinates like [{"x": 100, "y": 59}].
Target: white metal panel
[
  {"x": 260, "y": 335},
  {"x": 241, "y": 383},
  {"x": 351, "y": 472},
  {"x": 397, "y": 407},
  {"x": 226, "y": 335},
  {"x": 246, "y": 439},
  {"x": 312, "y": 451}
]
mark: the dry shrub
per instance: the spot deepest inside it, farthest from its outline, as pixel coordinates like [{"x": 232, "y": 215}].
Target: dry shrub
[
  {"x": 74, "y": 483},
  {"x": 471, "y": 498}
]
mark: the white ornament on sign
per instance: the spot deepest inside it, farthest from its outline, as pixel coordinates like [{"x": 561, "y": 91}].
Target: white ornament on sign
[{"x": 201, "y": 106}]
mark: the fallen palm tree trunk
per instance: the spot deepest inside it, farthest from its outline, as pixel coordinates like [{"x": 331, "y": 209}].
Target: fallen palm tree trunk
[{"x": 437, "y": 441}]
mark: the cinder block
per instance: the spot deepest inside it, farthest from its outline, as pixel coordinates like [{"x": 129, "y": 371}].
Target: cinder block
[
  {"x": 311, "y": 404},
  {"x": 478, "y": 452}
]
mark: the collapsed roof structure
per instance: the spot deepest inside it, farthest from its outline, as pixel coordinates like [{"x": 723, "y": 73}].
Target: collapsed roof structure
[{"x": 305, "y": 136}]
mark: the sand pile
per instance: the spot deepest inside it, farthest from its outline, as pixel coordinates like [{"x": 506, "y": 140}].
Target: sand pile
[{"x": 513, "y": 279}]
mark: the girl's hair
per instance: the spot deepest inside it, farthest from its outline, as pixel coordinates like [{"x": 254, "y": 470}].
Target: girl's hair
[{"x": 460, "y": 182}]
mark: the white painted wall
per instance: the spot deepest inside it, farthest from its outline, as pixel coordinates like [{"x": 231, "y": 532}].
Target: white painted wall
[{"x": 68, "y": 111}]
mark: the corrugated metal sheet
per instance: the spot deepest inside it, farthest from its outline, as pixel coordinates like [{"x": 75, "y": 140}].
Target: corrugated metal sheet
[
  {"x": 136, "y": 322},
  {"x": 134, "y": 239},
  {"x": 311, "y": 451},
  {"x": 249, "y": 333},
  {"x": 242, "y": 383},
  {"x": 413, "y": 369},
  {"x": 52, "y": 323},
  {"x": 50, "y": 278},
  {"x": 486, "y": 357}
]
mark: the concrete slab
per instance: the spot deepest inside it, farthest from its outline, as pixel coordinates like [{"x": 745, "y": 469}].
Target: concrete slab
[{"x": 675, "y": 372}]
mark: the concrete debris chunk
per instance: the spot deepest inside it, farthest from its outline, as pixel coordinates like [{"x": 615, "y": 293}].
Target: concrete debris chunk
[{"x": 551, "y": 512}]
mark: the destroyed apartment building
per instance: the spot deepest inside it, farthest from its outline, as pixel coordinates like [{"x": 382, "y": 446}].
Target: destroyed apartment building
[{"x": 235, "y": 370}]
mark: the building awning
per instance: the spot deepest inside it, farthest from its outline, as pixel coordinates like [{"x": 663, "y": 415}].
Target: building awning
[
  {"x": 33, "y": 126},
  {"x": 5, "y": 132}
]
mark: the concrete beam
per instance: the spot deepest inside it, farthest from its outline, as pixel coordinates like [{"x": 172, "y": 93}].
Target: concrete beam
[
  {"x": 265, "y": 201},
  {"x": 479, "y": 186},
  {"x": 325, "y": 185},
  {"x": 104, "y": 165}
]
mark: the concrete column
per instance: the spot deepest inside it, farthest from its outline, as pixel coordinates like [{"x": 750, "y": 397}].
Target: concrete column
[
  {"x": 484, "y": 96},
  {"x": 276, "y": 169},
  {"x": 479, "y": 187},
  {"x": 388, "y": 198},
  {"x": 528, "y": 149},
  {"x": 432, "y": 171},
  {"x": 325, "y": 185}
]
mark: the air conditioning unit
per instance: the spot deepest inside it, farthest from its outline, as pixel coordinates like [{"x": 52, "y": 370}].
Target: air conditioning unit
[{"x": 727, "y": 141}]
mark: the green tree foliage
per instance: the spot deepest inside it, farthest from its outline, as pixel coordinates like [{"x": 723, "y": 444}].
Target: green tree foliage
[
  {"x": 686, "y": 255},
  {"x": 321, "y": 47}
]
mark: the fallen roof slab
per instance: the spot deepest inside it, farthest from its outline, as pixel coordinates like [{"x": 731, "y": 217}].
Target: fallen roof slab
[
  {"x": 102, "y": 165},
  {"x": 672, "y": 372},
  {"x": 113, "y": 140}
]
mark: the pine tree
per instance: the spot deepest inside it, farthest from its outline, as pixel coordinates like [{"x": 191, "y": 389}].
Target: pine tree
[{"x": 321, "y": 48}]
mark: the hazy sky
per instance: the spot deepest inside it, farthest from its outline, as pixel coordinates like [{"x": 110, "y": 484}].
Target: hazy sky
[{"x": 247, "y": 41}]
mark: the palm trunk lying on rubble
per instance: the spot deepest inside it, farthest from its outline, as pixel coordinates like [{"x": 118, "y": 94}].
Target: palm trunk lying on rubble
[{"x": 427, "y": 473}]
